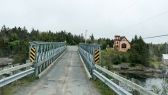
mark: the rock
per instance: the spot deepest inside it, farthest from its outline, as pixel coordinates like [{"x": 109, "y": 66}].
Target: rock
[
  {"x": 149, "y": 70},
  {"x": 123, "y": 67},
  {"x": 158, "y": 71},
  {"x": 116, "y": 67},
  {"x": 5, "y": 61},
  {"x": 136, "y": 69}
]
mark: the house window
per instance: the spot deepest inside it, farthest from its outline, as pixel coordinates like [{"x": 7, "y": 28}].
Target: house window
[{"x": 124, "y": 45}]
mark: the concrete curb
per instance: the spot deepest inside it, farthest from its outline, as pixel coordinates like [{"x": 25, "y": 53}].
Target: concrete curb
[
  {"x": 45, "y": 71},
  {"x": 86, "y": 70}
]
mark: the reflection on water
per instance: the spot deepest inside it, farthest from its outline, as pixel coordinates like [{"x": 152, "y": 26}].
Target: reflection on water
[
  {"x": 153, "y": 81},
  {"x": 145, "y": 81}
]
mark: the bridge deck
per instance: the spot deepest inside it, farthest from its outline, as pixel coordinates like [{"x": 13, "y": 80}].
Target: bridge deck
[{"x": 66, "y": 77}]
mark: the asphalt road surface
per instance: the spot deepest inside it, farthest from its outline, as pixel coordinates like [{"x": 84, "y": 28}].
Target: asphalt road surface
[{"x": 66, "y": 77}]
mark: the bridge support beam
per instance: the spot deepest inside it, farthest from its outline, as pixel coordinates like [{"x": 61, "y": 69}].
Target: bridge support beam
[
  {"x": 45, "y": 53},
  {"x": 90, "y": 58}
]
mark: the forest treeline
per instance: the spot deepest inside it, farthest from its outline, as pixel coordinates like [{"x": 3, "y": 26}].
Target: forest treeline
[
  {"x": 145, "y": 53},
  {"x": 14, "y": 43}
]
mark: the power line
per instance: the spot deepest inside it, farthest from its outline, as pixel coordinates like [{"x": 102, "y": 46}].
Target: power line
[
  {"x": 143, "y": 21},
  {"x": 155, "y": 36},
  {"x": 125, "y": 8},
  {"x": 118, "y": 13}
]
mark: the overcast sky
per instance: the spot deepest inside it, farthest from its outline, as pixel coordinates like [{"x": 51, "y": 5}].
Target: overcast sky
[{"x": 103, "y": 18}]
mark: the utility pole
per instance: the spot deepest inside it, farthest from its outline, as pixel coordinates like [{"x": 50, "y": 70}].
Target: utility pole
[
  {"x": 81, "y": 37},
  {"x": 85, "y": 36},
  {"x": 166, "y": 48}
]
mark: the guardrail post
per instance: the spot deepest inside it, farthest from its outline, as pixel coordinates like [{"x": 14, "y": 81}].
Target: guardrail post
[
  {"x": 97, "y": 54},
  {"x": 33, "y": 54},
  {"x": 96, "y": 57}
]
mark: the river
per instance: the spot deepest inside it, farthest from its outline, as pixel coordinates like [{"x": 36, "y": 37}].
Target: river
[{"x": 147, "y": 82}]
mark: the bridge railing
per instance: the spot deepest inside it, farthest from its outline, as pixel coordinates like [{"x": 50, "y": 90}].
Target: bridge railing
[
  {"x": 88, "y": 52},
  {"x": 44, "y": 54},
  {"x": 41, "y": 55}
]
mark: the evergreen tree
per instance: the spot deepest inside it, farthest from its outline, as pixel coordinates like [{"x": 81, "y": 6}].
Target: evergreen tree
[
  {"x": 92, "y": 38},
  {"x": 138, "y": 52}
]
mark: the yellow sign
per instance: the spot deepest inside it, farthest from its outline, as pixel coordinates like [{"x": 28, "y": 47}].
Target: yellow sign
[
  {"x": 32, "y": 54},
  {"x": 97, "y": 56}
]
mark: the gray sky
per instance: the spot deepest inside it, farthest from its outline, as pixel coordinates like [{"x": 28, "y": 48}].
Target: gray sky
[{"x": 103, "y": 18}]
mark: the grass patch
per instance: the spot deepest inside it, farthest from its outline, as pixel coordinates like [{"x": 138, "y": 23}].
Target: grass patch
[
  {"x": 155, "y": 64},
  {"x": 103, "y": 88},
  {"x": 11, "y": 88}
]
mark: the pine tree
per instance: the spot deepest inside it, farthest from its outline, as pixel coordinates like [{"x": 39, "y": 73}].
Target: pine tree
[
  {"x": 138, "y": 52},
  {"x": 92, "y": 38}
]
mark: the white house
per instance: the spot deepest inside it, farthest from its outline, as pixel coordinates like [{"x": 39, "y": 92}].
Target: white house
[{"x": 165, "y": 59}]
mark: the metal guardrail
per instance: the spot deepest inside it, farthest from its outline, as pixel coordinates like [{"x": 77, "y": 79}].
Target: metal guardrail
[
  {"x": 4, "y": 71},
  {"x": 135, "y": 86},
  {"x": 17, "y": 76},
  {"x": 112, "y": 85},
  {"x": 45, "y": 53}
]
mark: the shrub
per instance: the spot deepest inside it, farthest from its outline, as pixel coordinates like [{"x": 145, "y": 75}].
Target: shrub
[{"x": 117, "y": 59}]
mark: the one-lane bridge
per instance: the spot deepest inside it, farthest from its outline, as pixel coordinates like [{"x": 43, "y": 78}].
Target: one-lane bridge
[
  {"x": 66, "y": 77},
  {"x": 66, "y": 70}
]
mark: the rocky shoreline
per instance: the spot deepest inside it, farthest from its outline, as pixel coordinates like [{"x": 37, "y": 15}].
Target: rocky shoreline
[{"x": 149, "y": 72}]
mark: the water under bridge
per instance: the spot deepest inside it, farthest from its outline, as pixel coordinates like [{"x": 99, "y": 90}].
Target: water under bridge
[{"x": 67, "y": 70}]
